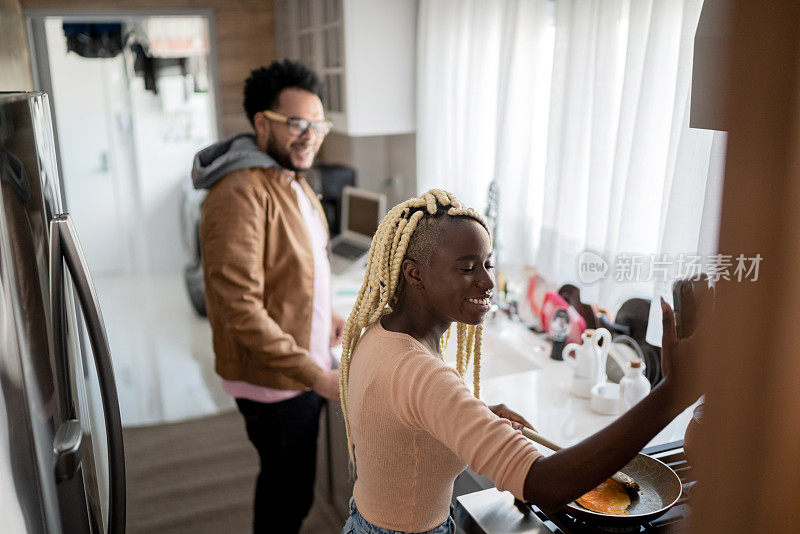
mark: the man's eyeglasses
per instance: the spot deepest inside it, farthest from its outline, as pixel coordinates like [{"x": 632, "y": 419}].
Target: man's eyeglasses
[{"x": 297, "y": 126}]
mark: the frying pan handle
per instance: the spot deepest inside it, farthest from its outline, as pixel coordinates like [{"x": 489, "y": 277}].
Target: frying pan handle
[
  {"x": 620, "y": 478},
  {"x": 538, "y": 438}
]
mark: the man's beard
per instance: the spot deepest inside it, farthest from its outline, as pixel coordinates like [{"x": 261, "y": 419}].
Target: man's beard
[{"x": 276, "y": 152}]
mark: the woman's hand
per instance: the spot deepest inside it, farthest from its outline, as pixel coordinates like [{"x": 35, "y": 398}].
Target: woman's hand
[{"x": 501, "y": 410}]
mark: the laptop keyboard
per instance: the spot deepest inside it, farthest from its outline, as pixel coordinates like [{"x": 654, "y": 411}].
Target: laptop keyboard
[{"x": 349, "y": 250}]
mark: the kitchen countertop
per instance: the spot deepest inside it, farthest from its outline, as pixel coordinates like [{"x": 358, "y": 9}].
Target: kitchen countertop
[{"x": 540, "y": 389}]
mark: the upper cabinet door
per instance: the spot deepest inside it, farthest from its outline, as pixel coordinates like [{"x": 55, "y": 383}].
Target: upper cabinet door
[{"x": 364, "y": 50}]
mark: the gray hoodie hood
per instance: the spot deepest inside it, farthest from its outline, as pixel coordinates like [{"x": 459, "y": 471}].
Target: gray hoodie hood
[{"x": 237, "y": 152}]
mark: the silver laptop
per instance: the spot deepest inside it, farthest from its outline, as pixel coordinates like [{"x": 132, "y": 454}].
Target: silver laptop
[{"x": 362, "y": 211}]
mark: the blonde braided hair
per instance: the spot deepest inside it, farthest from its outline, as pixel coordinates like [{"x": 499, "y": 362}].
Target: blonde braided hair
[{"x": 382, "y": 282}]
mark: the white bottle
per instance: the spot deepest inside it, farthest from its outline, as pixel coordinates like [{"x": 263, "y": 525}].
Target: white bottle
[{"x": 634, "y": 386}]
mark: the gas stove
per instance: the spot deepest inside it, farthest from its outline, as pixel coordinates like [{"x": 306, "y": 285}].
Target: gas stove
[
  {"x": 673, "y": 521},
  {"x": 491, "y": 511}
]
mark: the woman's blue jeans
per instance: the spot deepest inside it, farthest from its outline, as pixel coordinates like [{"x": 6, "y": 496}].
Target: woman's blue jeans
[{"x": 356, "y": 524}]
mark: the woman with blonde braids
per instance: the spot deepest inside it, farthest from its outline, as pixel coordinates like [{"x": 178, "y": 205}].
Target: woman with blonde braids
[{"x": 412, "y": 423}]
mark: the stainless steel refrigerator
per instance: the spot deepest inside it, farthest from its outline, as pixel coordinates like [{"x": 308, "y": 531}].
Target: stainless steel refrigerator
[{"x": 62, "y": 467}]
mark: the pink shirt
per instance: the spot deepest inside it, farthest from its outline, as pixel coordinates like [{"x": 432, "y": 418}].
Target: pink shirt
[
  {"x": 319, "y": 342},
  {"x": 415, "y": 426}
]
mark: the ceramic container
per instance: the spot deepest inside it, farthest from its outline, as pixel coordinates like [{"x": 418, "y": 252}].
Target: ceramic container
[{"x": 604, "y": 398}]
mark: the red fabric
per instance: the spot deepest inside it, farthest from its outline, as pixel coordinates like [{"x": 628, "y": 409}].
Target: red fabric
[{"x": 552, "y": 303}]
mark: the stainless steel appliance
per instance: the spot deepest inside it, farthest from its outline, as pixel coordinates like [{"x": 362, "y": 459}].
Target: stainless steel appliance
[{"x": 62, "y": 468}]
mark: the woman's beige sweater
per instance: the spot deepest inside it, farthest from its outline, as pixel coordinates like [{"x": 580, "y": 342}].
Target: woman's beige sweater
[{"x": 415, "y": 426}]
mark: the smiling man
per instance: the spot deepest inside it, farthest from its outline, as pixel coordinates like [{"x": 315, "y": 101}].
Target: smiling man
[{"x": 264, "y": 243}]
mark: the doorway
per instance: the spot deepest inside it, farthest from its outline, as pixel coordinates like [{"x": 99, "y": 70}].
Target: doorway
[{"x": 133, "y": 98}]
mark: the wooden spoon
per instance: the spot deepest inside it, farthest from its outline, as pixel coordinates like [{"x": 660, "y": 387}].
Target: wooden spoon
[{"x": 621, "y": 478}]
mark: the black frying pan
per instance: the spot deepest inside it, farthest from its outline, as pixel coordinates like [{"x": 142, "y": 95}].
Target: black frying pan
[{"x": 659, "y": 490}]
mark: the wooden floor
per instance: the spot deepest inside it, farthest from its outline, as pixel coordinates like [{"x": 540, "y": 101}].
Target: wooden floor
[{"x": 198, "y": 477}]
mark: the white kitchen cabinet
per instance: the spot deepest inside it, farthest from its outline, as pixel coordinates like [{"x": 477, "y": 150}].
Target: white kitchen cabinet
[{"x": 365, "y": 52}]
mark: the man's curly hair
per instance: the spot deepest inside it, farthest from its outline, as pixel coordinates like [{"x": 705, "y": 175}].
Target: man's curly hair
[{"x": 262, "y": 88}]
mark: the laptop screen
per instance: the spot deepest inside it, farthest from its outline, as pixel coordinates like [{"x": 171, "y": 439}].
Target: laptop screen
[{"x": 364, "y": 213}]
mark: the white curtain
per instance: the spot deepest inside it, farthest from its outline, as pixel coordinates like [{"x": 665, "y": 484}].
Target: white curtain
[{"x": 579, "y": 110}]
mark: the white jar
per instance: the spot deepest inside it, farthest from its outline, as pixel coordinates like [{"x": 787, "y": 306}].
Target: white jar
[{"x": 634, "y": 386}]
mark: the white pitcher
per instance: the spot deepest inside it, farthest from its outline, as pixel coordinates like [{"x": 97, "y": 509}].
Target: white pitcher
[{"x": 589, "y": 358}]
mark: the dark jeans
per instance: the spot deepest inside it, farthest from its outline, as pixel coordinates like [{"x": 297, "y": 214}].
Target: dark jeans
[{"x": 285, "y": 436}]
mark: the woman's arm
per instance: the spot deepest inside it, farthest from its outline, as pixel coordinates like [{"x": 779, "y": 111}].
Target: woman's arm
[{"x": 555, "y": 480}]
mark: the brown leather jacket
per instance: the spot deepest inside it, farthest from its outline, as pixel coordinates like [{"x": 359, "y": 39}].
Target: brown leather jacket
[{"x": 259, "y": 276}]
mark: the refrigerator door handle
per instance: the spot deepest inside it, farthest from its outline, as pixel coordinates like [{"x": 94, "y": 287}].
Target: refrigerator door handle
[
  {"x": 69, "y": 477},
  {"x": 67, "y": 446},
  {"x": 63, "y": 230},
  {"x": 64, "y": 403}
]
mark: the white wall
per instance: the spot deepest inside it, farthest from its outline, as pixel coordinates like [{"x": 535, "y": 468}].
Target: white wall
[
  {"x": 88, "y": 101},
  {"x": 384, "y": 164},
  {"x": 167, "y": 133}
]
